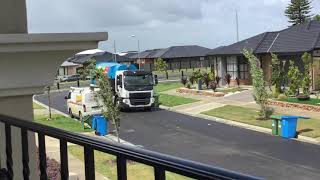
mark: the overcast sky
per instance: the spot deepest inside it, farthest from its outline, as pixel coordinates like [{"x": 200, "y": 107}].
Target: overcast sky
[{"x": 160, "y": 23}]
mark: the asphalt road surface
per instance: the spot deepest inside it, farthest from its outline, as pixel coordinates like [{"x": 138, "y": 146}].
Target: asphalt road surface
[{"x": 214, "y": 143}]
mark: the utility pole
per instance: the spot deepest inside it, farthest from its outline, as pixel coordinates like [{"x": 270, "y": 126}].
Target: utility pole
[
  {"x": 114, "y": 51},
  {"x": 237, "y": 25},
  {"x": 139, "y": 54}
]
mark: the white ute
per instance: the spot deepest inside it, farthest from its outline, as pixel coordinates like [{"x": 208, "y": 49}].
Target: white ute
[{"x": 81, "y": 102}]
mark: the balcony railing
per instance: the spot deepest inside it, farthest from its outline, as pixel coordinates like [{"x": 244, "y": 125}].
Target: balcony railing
[{"x": 160, "y": 162}]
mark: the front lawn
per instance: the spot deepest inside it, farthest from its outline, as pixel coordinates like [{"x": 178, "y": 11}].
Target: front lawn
[
  {"x": 311, "y": 101},
  {"x": 61, "y": 122},
  {"x": 106, "y": 165},
  {"x": 37, "y": 106},
  {"x": 309, "y": 127},
  {"x": 167, "y": 86},
  {"x": 170, "y": 100}
]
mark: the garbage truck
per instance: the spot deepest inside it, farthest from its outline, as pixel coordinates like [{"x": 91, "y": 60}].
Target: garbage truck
[{"x": 132, "y": 88}]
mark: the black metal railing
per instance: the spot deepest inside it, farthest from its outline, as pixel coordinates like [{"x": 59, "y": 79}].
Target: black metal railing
[{"x": 160, "y": 162}]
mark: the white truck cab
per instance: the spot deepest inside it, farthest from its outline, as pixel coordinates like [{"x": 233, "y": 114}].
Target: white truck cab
[
  {"x": 81, "y": 102},
  {"x": 134, "y": 89}
]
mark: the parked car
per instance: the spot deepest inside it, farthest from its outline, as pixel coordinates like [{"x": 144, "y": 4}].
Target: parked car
[{"x": 70, "y": 78}]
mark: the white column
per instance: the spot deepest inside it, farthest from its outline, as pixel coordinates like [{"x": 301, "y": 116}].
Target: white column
[{"x": 13, "y": 17}]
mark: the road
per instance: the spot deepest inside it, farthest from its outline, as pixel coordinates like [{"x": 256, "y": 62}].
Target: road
[{"x": 215, "y": 144}]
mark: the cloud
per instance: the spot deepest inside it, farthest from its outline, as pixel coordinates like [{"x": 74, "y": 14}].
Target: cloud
[{"x": 160, "y": 23}]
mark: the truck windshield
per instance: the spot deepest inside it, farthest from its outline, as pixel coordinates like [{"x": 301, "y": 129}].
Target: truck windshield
[{"x": 138, "y": 80}]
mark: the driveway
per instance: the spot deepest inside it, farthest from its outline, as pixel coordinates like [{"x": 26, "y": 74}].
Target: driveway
[{"x": 215, "y": 144}]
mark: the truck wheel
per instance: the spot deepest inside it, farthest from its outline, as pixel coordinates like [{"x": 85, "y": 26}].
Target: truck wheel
[
  {"x": 147, "y": 109},
  {"x": 70, "y": 113}
]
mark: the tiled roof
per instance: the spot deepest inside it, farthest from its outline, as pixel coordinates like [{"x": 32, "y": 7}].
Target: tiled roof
[
  {"x": 175, "y": 52},
  {"x": 237, "y": 48},
  {"x": 299, "y": 38}
]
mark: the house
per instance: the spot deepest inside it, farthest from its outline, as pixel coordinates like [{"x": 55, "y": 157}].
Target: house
[
  {"x": 177, "y": 57},
  {"x": 68, "y": 68},
  {"x": 83, "y": 58},
  {"x": 288, "y": 44}
]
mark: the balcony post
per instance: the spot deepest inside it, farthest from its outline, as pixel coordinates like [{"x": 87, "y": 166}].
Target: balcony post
[{"x": 28, "y": 63}]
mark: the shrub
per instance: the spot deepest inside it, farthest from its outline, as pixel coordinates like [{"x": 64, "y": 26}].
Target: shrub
[
  {"x": 206, "y": 79},
  {"x": 282, "y": 97},
  {"x": 294, "y": 77},
  {"x": 227, "y": 79},
  {"x": 218, "y": 80},
  {"x": 184, "y": 80},
  {"x": 213, "y": 85},
  {"x": 275, "y": 94},
  {"x": 192, "y": 79},
  {"x": 188, "y": 85},
  {"x": 303, "y": 97},
  {"x": 238, "y": 81}
]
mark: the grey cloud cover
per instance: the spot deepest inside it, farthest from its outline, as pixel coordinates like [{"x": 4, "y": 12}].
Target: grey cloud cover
[{"x": 159, "y": 23}]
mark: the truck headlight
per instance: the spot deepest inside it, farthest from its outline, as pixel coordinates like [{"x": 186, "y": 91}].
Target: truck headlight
[
  {"x": 152, "y": 100},
  {"x": 126, "y": 101}
]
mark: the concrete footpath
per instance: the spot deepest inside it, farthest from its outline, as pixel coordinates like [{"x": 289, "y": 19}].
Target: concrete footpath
[
  {"x": 243, "y": 99},
  {"x": 76, "y": 166}
]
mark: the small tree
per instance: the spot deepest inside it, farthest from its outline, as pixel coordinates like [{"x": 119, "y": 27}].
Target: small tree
[
  {"x": 238, "y": 82},
  {"x": 161, "y": 65},
  {"x": 218, "y": 78},
  {"x": 105, "y": 97},
  {"x": 259, "y": 91},
  {"x": 88, "y": 69},
  {"x": 294, "y": 77},
  {"x": 207, "y": 79},
  {"x": 298, "y": 11},
  {"x": 277, "y": 75},
  {"x": 184, "y": 80},
  {"x": 227, "y": 79},
  {"x": 306, "y": 81}
]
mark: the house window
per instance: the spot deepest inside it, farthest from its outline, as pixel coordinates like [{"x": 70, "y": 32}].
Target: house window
[
  {"x": 232, "y": 68},
  {"x": 243, "y": 68}
]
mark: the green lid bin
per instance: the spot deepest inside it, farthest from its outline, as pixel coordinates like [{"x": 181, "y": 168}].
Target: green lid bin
[{"x": 276, "y": 125}]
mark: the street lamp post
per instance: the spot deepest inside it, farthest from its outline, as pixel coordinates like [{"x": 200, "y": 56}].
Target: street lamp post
[{"x": 139, "y": 61}]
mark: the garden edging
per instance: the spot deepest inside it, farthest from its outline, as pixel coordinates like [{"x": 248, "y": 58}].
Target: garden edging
[{"x": 294, "y": 105}]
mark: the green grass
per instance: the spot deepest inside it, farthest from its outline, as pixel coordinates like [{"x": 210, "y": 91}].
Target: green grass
[
  {"x": 105, "y": 164},
  {"x": 61, "y": 122},
  {"x": 170, "y": 100},
  {"x": 312, "y": 101},
  {"x": 309, "y": 127},
  {"x": 37, "y": 106},
  {"x": 167, "y": 86}
]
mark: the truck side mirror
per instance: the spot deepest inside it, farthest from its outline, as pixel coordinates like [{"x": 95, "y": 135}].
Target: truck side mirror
[
  {"x": 156, "y": 81},
  {"x": 119, "y": 81},
  {"x": 68, "y": 96}
]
